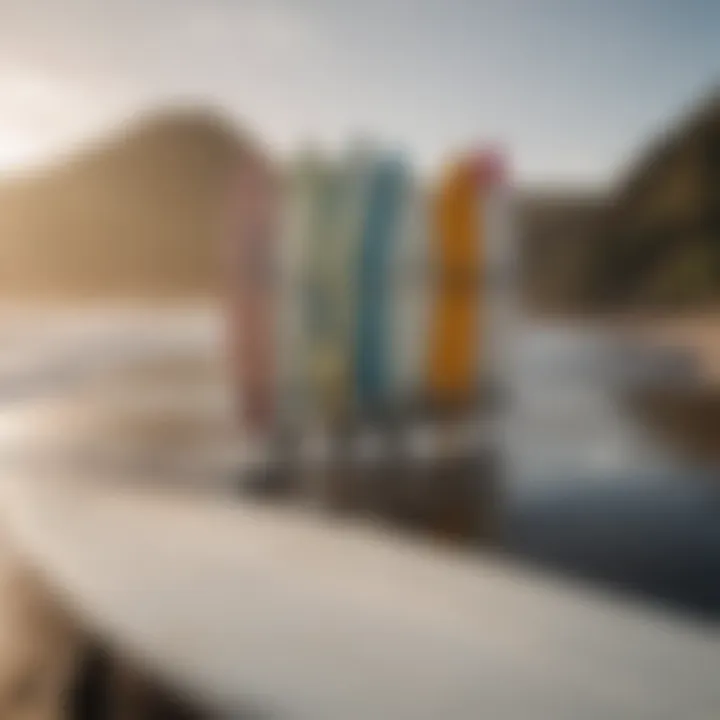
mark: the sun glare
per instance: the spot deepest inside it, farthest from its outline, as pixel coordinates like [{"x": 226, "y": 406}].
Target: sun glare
[{"x": 16, "y": 150}]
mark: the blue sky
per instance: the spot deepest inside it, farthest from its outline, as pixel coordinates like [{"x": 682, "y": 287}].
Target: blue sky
[{"x": 572, "y": 87}]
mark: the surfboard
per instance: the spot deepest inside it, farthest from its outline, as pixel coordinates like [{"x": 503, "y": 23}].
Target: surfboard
[
  {"x": 305, "y": 185},
  {"x": 386, "y": 200},
  {"x": 455, "y": 328},
  {"x": 499, "y": 300},
  {"x": 463, "y": 478},
  {"x": 410, "y": 265},
  {"x": 332, "y": 277},
  {"x": 251, "y": 248},
  {"x": 314, "y": 297}
]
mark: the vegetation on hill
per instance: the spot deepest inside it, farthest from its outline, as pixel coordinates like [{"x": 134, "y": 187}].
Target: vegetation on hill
[
  {"x": 651, "y": 244},
  {"x": 555, "y": 231},
  {"x": 658, "y": 244}
]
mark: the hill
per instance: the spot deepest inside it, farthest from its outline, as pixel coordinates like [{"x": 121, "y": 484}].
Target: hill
[
  {"x": 555, "y": 233},
  {"x": 132, "y": 216},
  {"x": 658, "y": 244}
]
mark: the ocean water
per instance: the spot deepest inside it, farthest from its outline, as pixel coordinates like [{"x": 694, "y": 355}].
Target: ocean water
[{"x": 590, "y": 491}]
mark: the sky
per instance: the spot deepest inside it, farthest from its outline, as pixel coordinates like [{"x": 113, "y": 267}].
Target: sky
[{"x": 572, "y": 89}]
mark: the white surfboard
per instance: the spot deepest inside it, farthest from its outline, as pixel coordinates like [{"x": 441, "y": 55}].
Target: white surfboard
[
  {"x": 411, "y": 278},
  {"x": 304, "y": 187},
  {"x": 332, "y": 263}
]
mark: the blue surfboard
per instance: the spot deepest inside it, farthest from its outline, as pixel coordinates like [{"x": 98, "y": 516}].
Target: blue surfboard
[{"x": 385, "y": 203}]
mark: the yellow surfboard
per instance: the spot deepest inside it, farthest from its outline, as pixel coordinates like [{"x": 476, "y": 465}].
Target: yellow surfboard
[{"x": 455, "y": 323}]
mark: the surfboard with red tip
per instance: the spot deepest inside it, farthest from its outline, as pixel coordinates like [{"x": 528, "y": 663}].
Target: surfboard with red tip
[{"x": 458, "y": 342}]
